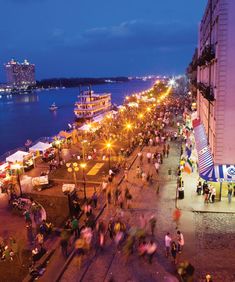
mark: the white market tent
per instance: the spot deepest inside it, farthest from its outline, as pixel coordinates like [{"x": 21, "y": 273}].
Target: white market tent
[
  {"x": 40, "y": 146},
  {"x": 17, "y": 157}
]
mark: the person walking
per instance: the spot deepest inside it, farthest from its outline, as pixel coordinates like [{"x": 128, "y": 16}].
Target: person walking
[
  {"x": 111, "y": 228},
  {"x": 151, "y": 250},
  {"x": 213, "y": 194},
  {"x": 75, "y": 227},
  {"x": 79, "y": 251},
  {"x": 64, "y": 247},
  {"x": 206, "y": 194},
  {"x": 27, "y": 216},
  {"x": 176, "y": 217},
  {"x": 180, "y": 241},
  {"x": 174, "y": 252},
  {"x": 157, "y": 165},
  {"x": 149, "y": 156},
  {"x": 230, "y": 193},
  {"x": 40, "y": 240},
  {"x": 152, "y": 222},
  {"x": 167, "y": 243},
  {"x": 167, "y": 150},
  {"x": 94, "y": 199}
]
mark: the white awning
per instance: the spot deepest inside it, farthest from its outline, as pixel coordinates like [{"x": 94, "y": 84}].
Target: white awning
[
  {"x": 40, "y": 146},
  {"x": 17, "y": 157}
]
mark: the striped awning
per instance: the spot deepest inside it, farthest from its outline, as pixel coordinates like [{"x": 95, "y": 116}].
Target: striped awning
[
  {"x": 207, "y": 170},
  {"x": 205, "y": 159}
]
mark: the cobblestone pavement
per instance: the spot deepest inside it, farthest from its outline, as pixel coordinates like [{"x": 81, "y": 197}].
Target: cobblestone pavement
[
  {"x": 215, "y": 244},
  {"x": 209, "y": 237},
  {"x": 110, "y": 263}
]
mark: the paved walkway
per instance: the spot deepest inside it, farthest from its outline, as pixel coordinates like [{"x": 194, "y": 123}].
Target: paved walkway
[{"x": 110, "y": 263}]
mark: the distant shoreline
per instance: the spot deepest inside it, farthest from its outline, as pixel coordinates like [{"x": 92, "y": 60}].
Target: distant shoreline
[
  {"x": 76, "y": 82},
  {"x": 55, "y": 83}
]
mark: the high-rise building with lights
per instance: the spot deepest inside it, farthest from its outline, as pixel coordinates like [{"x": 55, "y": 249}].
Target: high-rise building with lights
[{"x": 20, "y": 75}]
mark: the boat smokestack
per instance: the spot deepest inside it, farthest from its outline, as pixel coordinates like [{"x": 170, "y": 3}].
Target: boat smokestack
[{"x": 90, "y": 91}]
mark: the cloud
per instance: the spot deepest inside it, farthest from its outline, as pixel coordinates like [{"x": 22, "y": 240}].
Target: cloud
[{"x": 132, "y": 35}]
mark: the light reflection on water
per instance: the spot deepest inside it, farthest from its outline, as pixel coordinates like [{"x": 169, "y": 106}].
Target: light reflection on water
[{"x": 27, "y": 116}]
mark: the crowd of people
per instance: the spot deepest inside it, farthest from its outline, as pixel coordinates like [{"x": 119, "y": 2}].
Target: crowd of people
[
  {"x": 140, "y": 239},
  {"x": 130, "y": 239}
]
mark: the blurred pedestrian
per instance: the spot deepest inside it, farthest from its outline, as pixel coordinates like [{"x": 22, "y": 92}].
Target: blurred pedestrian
[
  {"x": 64, "y": 247},
  {"x": 75, "y": 227},
  {"x": 180, "y": 241},
  {"x": 149, "y": 156},
  {"x": 151, "y": 250},
  {"x": 176, "y": 217},
  {"x": 152, "y": 222},
  {"x": 79, "y": 251},
  {"x": 167, "y": 243},
  {"x": 157, "y": 166},
  {"x": 40, "y": 241},
  {"x": 230, "y": 193},
  {"x": 94, "y": 199},
  {"x": 174, "y": 251}
]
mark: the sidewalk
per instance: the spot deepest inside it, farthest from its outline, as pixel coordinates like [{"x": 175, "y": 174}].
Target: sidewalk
[{"x": 195, "y": 203}]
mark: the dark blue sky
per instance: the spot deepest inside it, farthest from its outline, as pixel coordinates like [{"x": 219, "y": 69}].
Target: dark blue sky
[{"x": 100, "y": 38}]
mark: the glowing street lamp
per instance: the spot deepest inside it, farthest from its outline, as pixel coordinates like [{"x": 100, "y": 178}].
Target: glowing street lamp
[
  {"x": 83, "y": 166},
  {"x": 128, "y": 126},
  {"x": 140, "y": 116},
  {"x": 73, "y": 168}
]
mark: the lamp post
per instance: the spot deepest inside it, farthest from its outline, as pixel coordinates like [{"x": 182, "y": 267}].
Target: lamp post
[
  {"x": 17, "y": 168},
  {"x": 83, "y": 149},
  {"x": 108, "y": 146},
  {"x": 73, "y": 168},
  {"x": 83, "y": 166},
  {"x": 128, "y": 128}
]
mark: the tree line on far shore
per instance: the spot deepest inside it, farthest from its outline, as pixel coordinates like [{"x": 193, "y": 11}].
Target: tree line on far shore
[{"x": 76, "y": 82}]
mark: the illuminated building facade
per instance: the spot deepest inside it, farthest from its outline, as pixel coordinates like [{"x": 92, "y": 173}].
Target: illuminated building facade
[
  {"x": 20, "y": 75},
  {"x": 216, "y": 79}
]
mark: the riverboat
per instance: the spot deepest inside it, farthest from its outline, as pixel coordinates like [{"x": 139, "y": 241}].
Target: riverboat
[{"x": 90, "y": 105}]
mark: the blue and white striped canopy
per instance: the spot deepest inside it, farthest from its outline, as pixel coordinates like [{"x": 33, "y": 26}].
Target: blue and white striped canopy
[
  {"x": 200, "y": 137},
  {"x": 219, "y": 173},
  {"x": 207, "y": 169},
  {"x": 205, "y": 159}
]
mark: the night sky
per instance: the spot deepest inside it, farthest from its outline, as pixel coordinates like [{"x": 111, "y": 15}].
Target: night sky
[{"x": 74, "y": 38}]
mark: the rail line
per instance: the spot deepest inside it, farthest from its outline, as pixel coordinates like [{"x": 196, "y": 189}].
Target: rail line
[{"x": 69, "y": 260}]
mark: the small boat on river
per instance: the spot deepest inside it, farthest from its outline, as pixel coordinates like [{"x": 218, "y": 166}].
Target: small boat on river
[{"x": 53, "y": 107}]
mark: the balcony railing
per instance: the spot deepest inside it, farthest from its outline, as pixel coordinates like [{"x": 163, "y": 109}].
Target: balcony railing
[
  {"x": 207, "y": 55},
  {"x": 207, "y": 91}
]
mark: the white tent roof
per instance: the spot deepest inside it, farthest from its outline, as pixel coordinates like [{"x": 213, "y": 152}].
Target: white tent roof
[
  {"x": 17, "y": 157},
  {"x": 40, "y": 146}
]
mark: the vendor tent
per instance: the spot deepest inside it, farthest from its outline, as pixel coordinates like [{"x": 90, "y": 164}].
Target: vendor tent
[
  {"x": 17, "y": 157},
  {"x": 40, "y": 146},
  {"x": 65, "y": 134}
]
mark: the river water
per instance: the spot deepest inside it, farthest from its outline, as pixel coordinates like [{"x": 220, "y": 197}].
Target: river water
[{"x": 27, "y": 116}]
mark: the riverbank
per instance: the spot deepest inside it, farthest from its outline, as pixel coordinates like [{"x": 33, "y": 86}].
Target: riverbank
[{"x": 27, "y": 116}]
